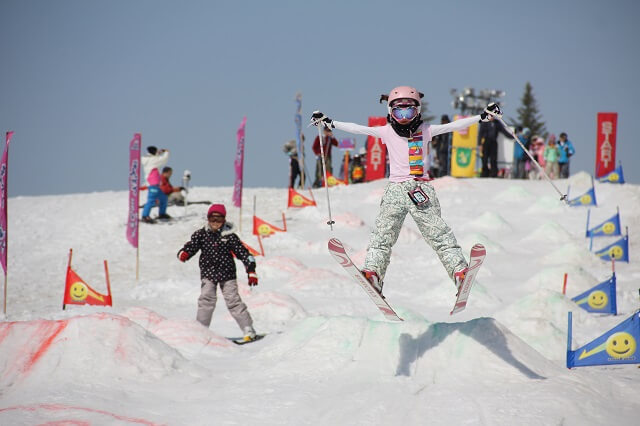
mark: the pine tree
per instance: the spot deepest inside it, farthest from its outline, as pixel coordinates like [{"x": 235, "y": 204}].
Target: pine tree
[{"x": 528, "y": 114}]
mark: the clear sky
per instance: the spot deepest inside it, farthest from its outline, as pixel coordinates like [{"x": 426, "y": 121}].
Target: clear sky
[{"x": 79, "y": 77}]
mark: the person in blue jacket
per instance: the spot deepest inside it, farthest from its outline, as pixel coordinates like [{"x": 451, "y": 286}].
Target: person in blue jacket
[
  {"x": 519, "y": 156},
  {"x": 566, "y": 151}
]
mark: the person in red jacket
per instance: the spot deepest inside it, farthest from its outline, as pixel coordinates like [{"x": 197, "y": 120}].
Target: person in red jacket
[
  {"x": 327, "y": 142},
  {"x": 173, "y": 192}
]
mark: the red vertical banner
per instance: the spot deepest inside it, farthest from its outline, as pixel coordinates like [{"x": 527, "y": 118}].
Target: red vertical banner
[
  {"x": 134, "y": 189},
  {"x": 376, "y": 152},
  {"x": 606, "y": 143}
]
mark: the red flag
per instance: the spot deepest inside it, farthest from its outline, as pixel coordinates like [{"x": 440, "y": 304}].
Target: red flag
[
  {"x": 253, "y": 251},
  {"x": 376, "y": 152},
  {"x": 298, "y": 200},
  {"x": 264, "y": 229},
  {"x": 606, "y": 143},
  {"x": 333, "y": 181},
  {"x": 78, "y": 292}
]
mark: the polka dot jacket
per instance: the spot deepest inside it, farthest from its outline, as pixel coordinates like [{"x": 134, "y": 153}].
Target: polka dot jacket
[{"x": 217, "y": 249}]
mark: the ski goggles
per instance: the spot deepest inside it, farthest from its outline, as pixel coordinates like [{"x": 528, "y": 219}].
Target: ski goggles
[{"x": 404, "y": 112}]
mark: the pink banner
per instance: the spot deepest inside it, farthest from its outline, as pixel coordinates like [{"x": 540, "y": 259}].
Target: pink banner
[
  {"x": 237, "y": 187},
  {"x": 4, "y": 171},
  {"x": 134, "y": 189}
]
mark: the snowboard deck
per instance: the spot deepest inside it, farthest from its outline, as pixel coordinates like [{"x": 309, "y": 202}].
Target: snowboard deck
[{"x": 241, "y": 341}]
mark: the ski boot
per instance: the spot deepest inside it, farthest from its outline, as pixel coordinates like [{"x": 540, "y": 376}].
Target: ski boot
[
  {"x": 459, "y": 279},
  {"x": 374, "y": 279},
  {"x": 249, "y": 334}
]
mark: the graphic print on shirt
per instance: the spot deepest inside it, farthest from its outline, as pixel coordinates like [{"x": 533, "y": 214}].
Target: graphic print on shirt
[{"x": 416, "y": 161}]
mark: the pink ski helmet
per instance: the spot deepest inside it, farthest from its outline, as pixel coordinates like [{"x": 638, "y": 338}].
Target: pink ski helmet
[{"x": 404, "y": 92}]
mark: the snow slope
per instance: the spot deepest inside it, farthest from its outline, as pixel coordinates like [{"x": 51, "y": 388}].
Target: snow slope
[{"x": 329, "y": 357}]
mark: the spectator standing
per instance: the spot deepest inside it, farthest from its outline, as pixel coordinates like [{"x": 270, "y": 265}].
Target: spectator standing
[
  {"x": 174, "y": 193},
  {"x": 488, "y": 136},
  {"x": 442, "y": 146},
  {"x": 295, "y": 173},
  {"x": 218, "y": 244},
  {"x": 328, "y": 141},
  {"x": 566, "y": 151},
  {"x": 155, "y": 160},
  {"x": 551, "y": 155},
  {"x": 519, "y": 156}
]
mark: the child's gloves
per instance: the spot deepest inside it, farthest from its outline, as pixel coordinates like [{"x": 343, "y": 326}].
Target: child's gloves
[
  {"x": 317, "y": 117},
  {"x": 253, "y": 279},
  {"x": 183, "y": 256}
]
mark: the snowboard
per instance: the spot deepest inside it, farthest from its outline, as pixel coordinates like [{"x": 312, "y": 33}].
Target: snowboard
[
  {"x": 241, "y": 341},
  {"x": 337, "y": 250},
  {"x": 478, "y": 252}
]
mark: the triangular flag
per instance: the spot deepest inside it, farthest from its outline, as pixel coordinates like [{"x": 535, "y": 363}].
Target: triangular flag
[
  {"x": 298, "y": 200},
  {"x": 264, "y": 229},
  {"x": 614, "y": 176},
  {"x": 253, "y": 251},
  {"x": 586, "y": 199},
  {"x": 333, "y": 181},
  {"x": 78, "y": 292},
  {"x": 609, "y": 228},
  {"x": 618, "y": 251},
  {"x": 617, "y": 346},
  {"x": 600, "y": 299}
]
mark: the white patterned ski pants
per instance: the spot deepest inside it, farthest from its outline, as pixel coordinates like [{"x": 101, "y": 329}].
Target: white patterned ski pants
[
  {"x": 394, "y": 207},
  {"x": 208, "y": 298}
]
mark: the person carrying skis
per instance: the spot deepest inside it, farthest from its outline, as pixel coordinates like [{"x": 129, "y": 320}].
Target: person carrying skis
[
  {"x": 409, "y": 191},
  {"x": 217, "y": 244}
]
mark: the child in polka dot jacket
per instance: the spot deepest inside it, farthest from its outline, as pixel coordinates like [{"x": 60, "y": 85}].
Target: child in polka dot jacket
[{"x": 217, "y": 244}]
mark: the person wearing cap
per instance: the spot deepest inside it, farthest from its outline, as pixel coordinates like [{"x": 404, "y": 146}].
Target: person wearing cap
[
  {"x": 327, "y": 142},
  {"x": 152, "y": 163},
  {"x": 406, "y": 136},
  {"x": 218, "y": 243}
]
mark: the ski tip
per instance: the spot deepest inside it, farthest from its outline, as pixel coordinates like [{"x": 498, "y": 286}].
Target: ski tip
[
  {"x": 335, "y": 243},
  {"x": 478, "y": 249}
]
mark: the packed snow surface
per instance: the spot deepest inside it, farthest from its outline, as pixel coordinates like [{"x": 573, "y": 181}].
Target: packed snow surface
[{"x": 329, "y": 357}]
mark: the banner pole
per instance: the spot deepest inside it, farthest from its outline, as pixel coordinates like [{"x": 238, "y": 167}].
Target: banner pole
[
  {"x": 564, "y": 284},
  {"x": 137, "y": 263},
  {"x": 106, "y": 272}
]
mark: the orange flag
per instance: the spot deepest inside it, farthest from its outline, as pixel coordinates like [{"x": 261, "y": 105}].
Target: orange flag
[
  {"x": 298, "y": 200},
  {"x": 253, "y": 251},
  {"x": 333, "y": 181},
  {"x": 78, "y": 292},
  {"x": 264, "y": 229}
]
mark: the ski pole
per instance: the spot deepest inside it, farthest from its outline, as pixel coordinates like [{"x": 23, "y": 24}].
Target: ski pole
[
  {"x": 324, "y": 171},
  {"x": 563, "y": 197}
]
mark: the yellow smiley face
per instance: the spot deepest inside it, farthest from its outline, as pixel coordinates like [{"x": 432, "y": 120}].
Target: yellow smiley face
[
  {"x": 616, "y": 252},
  {"x": 614, "y": 177},
  {"x": 332, "y": 180},
  {"x": 585, "y": 199},
  {"x": 598, "y": 299},
  {"x": 297, "y": 200},
  {"x": 264, "y": 229},
  {"x": 608, "y": 228},
  {"x": 621, "y": 345},
  {"x": 78, "y": 291}
]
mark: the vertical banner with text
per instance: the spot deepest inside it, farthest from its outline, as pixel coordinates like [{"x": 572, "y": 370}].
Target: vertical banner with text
[
  {"x": 606, "y": 143},
  {"x": 4, "y": 171},
  {"x": 376, "y": 152},
  {"x": 239, "y": 162},
  {"x": 463, "y": 151},
  {"x": 134, "y": 189}
]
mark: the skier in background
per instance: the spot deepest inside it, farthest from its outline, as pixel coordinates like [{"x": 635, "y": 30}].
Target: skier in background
[
  {"x": 408, "y": 190},
  {"x": 151, "y": 164},
  {"x": 217, "y": 244}
]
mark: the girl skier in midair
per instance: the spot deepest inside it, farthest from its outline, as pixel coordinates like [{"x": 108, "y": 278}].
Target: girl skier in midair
[{"x": 409, "y": 191}]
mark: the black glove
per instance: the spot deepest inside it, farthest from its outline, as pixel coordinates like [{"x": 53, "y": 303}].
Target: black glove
[
  {"x": 490, "y": 112},
  {"x": 317, "y": 117}
]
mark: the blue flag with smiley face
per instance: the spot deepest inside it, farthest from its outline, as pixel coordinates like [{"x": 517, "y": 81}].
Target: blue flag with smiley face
[
  {"x": 618, "y": 251},
  {"x": 609, "y": 228},
  {"x": 586, "y": 199},
  {"x": 615, "y": 176},
  {"x": 600, "y": 299},
  {"x": 617, "y": 346}
]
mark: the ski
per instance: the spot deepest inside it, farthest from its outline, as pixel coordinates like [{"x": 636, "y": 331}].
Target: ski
[
  {"x": 241, "y": 341},
  {"x": 478, "y": 252},
  {"x": 337, "y": 250}
]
